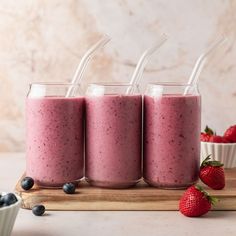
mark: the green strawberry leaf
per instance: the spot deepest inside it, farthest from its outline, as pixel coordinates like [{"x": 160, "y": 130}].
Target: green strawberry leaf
[
  {"x": 211, "y": 199},
  {"x": 204, "y": 163},
  {"x": 209, "y": 131},
  {"x": 208, "y": 162}
]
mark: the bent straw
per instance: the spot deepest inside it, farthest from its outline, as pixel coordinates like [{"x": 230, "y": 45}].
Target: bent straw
[
  {"x": 143, "y": 62},
  {"x": 77, "y": 78},
  {"x": 201, "y": 62}
]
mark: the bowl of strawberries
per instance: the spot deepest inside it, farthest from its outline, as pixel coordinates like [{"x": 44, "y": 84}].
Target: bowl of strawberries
[{"x": 221, "y": 148}]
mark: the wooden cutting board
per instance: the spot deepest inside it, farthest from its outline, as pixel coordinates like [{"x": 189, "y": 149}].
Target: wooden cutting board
[{"x": 142, "y": 197}]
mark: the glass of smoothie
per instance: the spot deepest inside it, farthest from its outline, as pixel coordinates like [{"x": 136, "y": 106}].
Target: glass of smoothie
[
  {"x": 172, "y": 121},
  {"x": 113, "y": 135},
  {"x": 55, "y": 134}
]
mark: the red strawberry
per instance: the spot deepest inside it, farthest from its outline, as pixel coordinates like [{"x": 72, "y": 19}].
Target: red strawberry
[
  {"x": 212, "y": 173},
  {"x": 230, "y": 134},
  {"x": 217, "y": 139},
  {"x": 206, "y": 136},
  {"x": 195, "y": 202}
]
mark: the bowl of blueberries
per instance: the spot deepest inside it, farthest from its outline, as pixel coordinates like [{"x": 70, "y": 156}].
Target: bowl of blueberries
[{"x": 9, "y": 207}]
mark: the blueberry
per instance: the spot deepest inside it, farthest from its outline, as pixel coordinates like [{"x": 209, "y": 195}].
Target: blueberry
[
  {"x": 1, "y": 201},
  {"x": 4, "y": 205},
  {"x": 38, "y": 210},
  {"x": 27, "y": 183},
  {"x": 9, "y": 199},
  {"x": 69, "y": 188}
]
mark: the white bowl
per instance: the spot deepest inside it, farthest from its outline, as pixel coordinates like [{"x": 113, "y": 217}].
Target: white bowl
[
  {"x": 223, "y": 152},
  {"x": 8, "y": 216}
]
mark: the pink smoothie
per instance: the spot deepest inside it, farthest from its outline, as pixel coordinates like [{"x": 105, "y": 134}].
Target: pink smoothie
[
  {"x": 171, "y": 140},
  {"x": 113, "y": 140},
  {"x": 55, "y": 141}
]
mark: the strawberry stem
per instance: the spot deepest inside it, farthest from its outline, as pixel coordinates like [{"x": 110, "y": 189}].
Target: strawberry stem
[{"x": 207, "y": 162}]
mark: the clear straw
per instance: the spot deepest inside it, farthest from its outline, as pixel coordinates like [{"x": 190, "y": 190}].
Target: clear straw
[
  {"x": 201, "y": 62},
  {"x": 138, "y": 72},
  {"x": 77, "y": 78}
]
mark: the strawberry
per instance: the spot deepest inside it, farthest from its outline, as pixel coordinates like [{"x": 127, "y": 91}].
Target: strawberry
[
  {"x": 212, "y": 173},
  {"x": 230, "y": 134},
  {"x": 195, "y": 202},
  {"x": 205, "y": 136},
  {"x": 217, "y": 139}
]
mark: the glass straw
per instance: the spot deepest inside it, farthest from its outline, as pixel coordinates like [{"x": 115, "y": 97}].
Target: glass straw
[
  {"x": 138, "y": 72},
  {"x": 201, "y": 62},
  {"x": 77, "y": 78}
]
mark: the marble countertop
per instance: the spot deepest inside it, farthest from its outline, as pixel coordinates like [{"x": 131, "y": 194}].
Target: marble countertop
[{"x": 106, "y": 223}]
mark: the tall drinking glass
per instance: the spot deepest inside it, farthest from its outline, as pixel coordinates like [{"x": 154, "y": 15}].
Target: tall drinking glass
[
  {"x": 55, "y": 134},
  {"x": 171, "y": 135},
  {"x": 113, "y": 135}
]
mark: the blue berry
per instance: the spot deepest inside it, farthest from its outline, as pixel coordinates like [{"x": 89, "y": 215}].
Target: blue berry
[
  {"x": 4, "y": 205},
  {"x": 38, "y": 210},
  {"x": 9, "y": 199},
  {"x": 1, "y": 201},
  {"x": 27, "y": 183},
  {"x": 69, "y": 188}
]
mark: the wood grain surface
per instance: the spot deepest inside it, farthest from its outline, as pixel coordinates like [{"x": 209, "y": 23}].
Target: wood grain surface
[{"x": 141, "y": 197}]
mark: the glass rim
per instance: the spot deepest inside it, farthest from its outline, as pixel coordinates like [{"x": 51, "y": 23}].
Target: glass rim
[
  {"x": 53, "y": 84},
  {"x": 107, "y": 84},
  {"x": 172, "y": 84}
]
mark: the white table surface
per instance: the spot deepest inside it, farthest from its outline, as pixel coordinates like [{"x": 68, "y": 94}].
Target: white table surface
[{"x": 113, "y": 223}]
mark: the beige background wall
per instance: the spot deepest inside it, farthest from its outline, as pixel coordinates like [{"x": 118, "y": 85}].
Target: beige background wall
[{"x": 44, "y": 41}]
